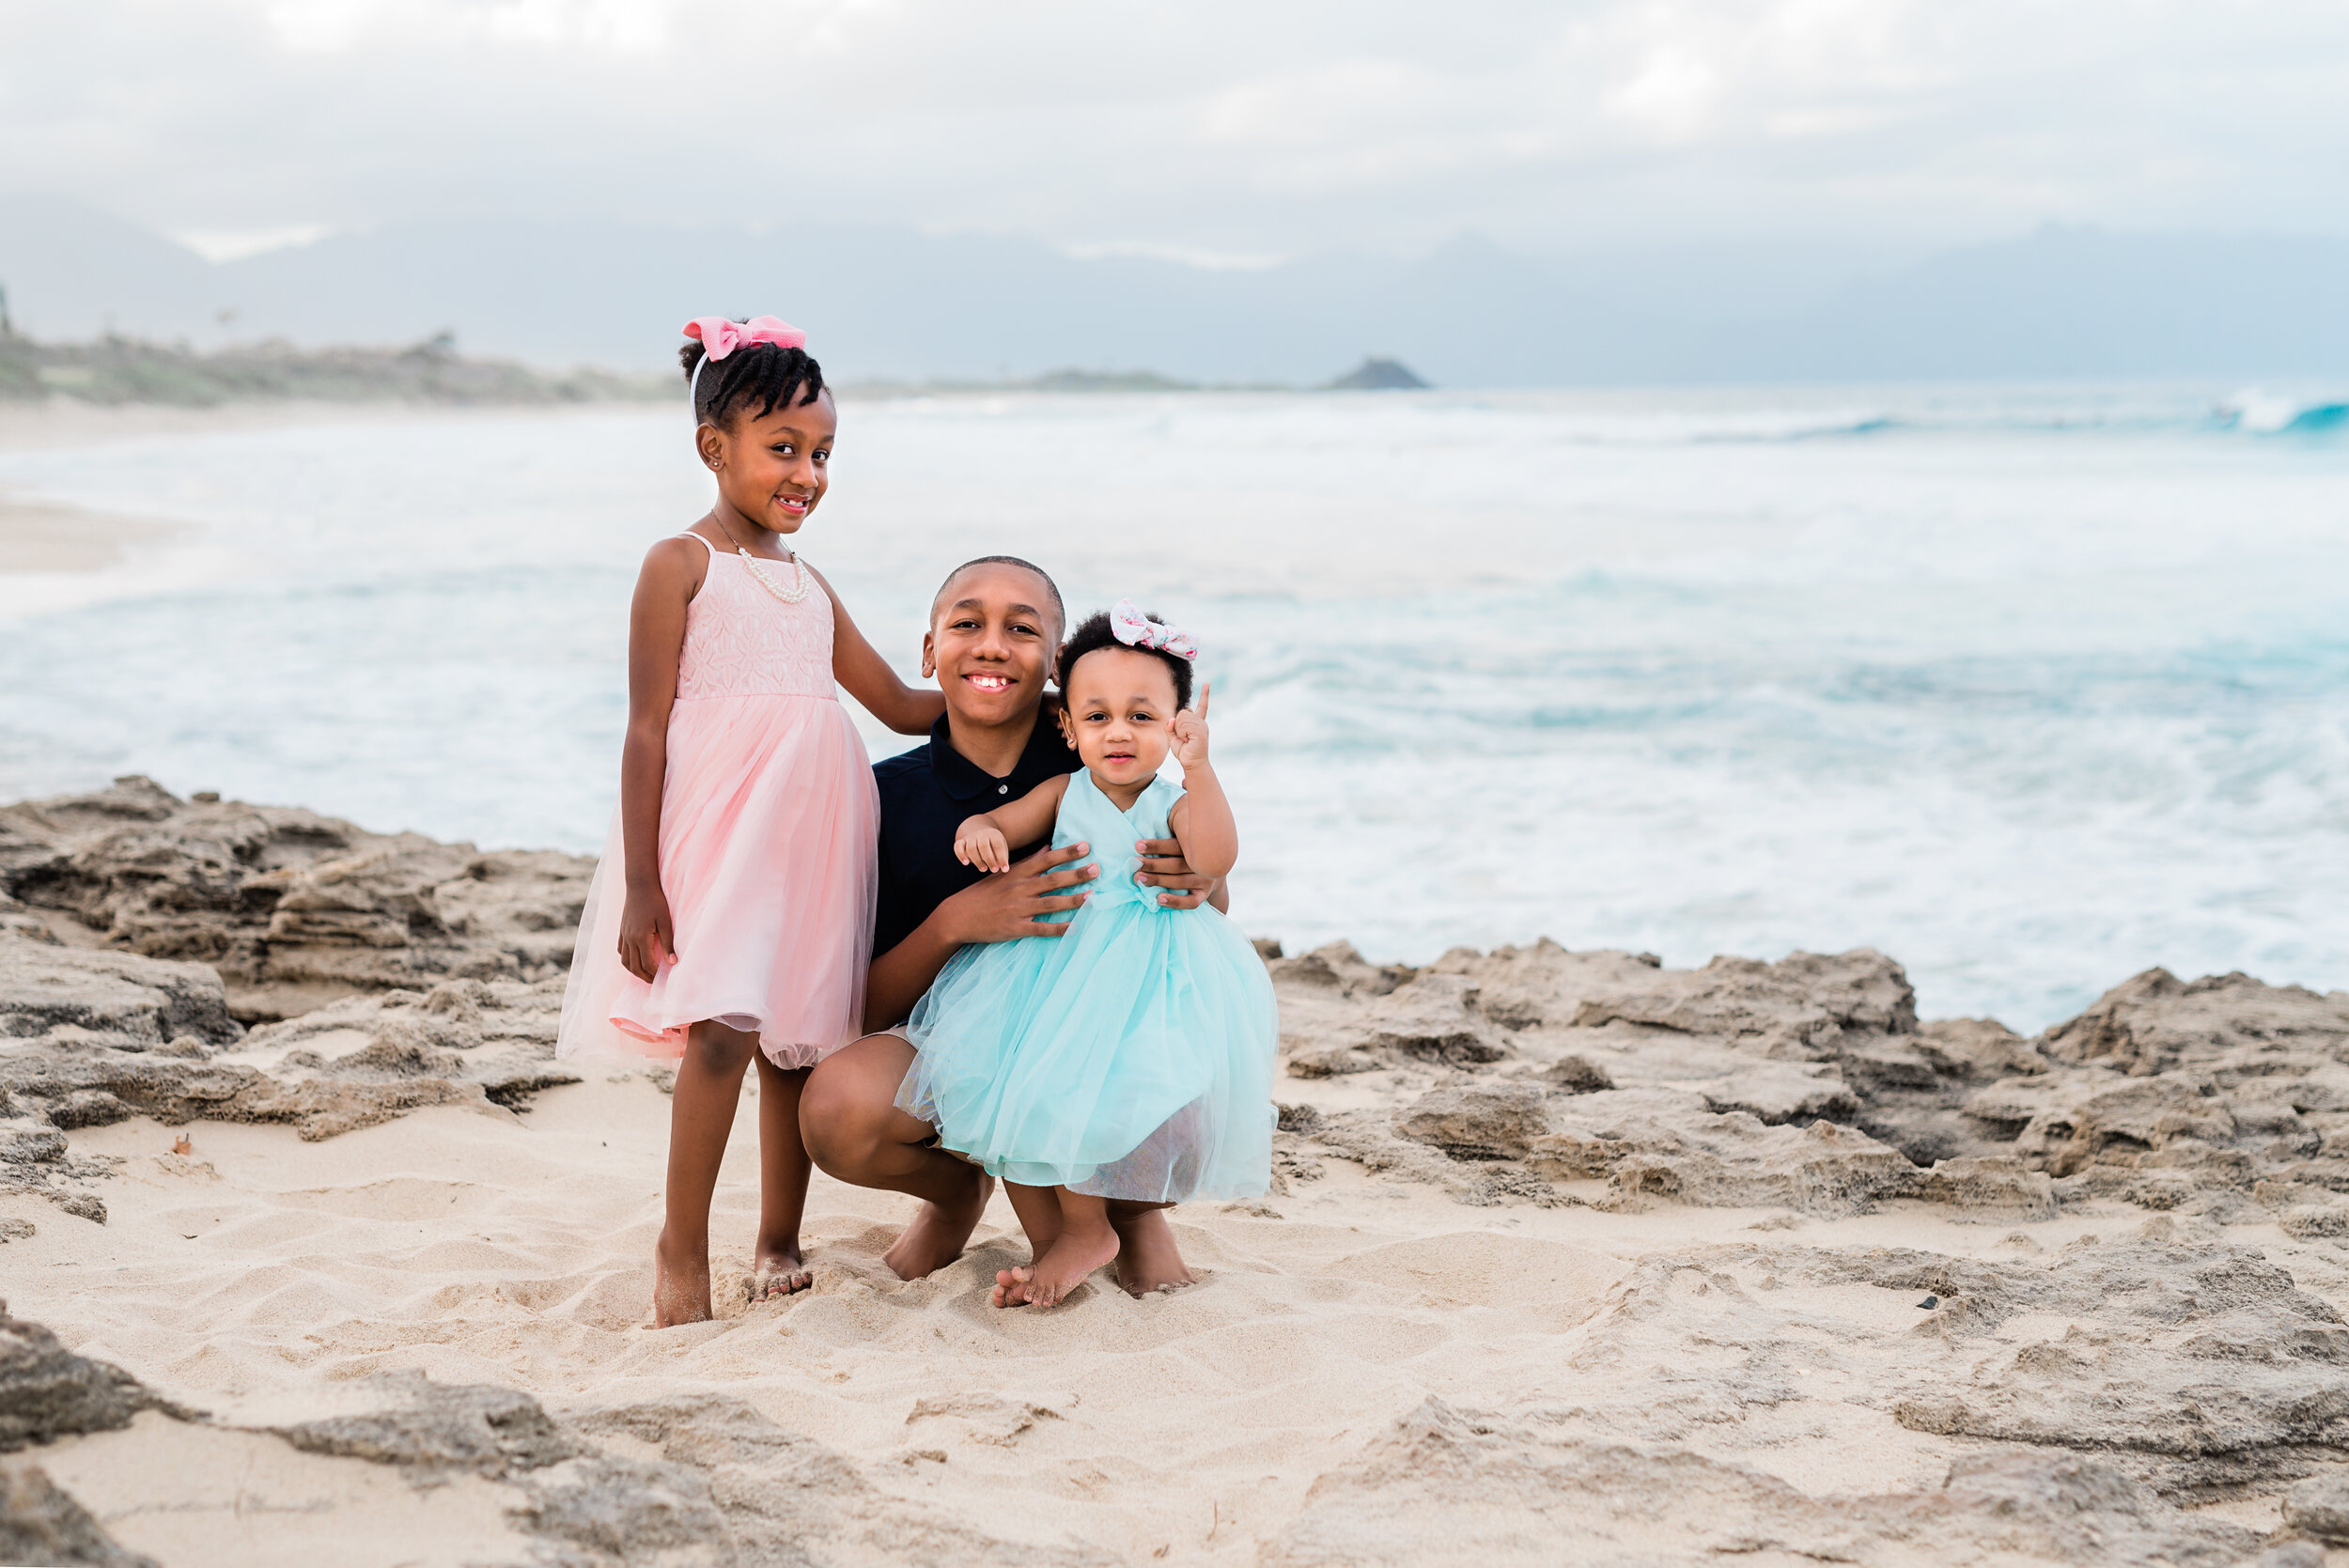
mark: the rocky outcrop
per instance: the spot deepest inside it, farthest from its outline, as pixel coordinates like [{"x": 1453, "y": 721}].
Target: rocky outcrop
[
  {"x": 46, "y": 1391},
  {"x": 292, "y": 909},
  {"x": 106, "y": 1051},
  {"x": 39, "y": 1523},
  {"x": 46, "y": 988},
  {"x": 429, "y": 1429},
  {"x": 1448, "y": 1485},
  {"x": 1604, "y": 1078},
  {"x": 698, "y": 1474}
]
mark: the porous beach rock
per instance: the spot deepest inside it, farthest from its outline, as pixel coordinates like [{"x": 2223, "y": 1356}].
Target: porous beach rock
[
  {"x": 1811, "y": 1083},
  {"x": 1804, "y": 1005},
  {"x": 40, "y": 1524},
  {"x": 1446, "y": 1485},
  {"x": 366, "y": 1059},
  {"x": 1478, "y": 1121},
  {"x": 2228, "y": 1025},
  {"x": 46, "y": 1391},
  {"x": 692, "y": 1477},
  {"x": 2319, "y": 1506},
  {"x": 427, "y": 1427},
  {"x": 140, "y": 1000},
  {"x": 102, "y": 1057},
  {"x": 292, "y": 909}
]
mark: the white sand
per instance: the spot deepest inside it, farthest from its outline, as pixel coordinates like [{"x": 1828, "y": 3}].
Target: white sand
[{"x": 265, "y": 1279}]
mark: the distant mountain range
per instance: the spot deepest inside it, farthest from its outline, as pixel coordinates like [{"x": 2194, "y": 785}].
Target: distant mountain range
[{"x": 888, "y": 304}]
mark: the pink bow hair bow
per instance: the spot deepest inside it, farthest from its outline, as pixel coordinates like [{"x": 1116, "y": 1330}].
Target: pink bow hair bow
[
  {"x": 721, "y": 336},
  {"x": 1138, "y": 631}
]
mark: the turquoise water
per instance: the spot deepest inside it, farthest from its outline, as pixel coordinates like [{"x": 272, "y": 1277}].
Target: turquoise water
[{"x": 2032, "y": 689}]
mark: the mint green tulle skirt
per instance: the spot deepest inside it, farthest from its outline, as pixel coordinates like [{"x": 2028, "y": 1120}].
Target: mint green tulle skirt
[{"x": 1132, "y": 1058}]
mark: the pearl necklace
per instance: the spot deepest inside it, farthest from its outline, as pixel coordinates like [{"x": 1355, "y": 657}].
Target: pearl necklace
[{"x": 792, "y": 595}]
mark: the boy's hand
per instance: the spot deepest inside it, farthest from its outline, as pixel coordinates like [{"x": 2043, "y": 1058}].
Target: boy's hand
[
  {"x": 999, "y": 909},
  {"x": 1191, "y": 732},
  {"x": 978, "y": 842},
  {"x": 1163, "y": 866}
]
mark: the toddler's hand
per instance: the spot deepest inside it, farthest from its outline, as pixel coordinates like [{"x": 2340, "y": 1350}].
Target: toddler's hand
[
  {"x": 978, "y": 842},
  {"x": 1190, "y": 732}
]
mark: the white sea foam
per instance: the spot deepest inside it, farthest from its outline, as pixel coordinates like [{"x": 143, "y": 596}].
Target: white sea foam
[{"x": 2032, "y": 689}]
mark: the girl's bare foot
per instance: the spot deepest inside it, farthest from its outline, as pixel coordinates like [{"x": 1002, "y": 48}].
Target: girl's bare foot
[
  {"x": 778, "y": 1271},
  {"x": 680, "y": 1284},
  {"x": 1084, "y": 1245}
]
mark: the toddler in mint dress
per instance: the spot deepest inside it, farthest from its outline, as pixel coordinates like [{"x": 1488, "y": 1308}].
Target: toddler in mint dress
[{"x": 1132, "y": 1058}]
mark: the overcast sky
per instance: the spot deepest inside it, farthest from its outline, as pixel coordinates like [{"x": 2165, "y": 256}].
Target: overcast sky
[{"x": 1212, "y": 129}]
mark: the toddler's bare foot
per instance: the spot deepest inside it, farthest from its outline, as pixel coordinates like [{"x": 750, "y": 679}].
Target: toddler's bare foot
[
  {"x": 680, "y": 1284},
  {"x": 1012, "y": 1287},
  {"x": 777, "y": 1270},
  {"x": 1147, "y": 1258},
  {"x": 939, "y": 1233},
  {"x": 1079, "y": 1250}
]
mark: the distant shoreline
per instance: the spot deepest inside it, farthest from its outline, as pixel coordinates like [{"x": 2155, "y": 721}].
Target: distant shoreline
[{"x": 116, "y": 372}]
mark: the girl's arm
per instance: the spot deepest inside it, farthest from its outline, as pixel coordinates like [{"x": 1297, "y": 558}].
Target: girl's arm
[
  {"x": 985, "y": 840},
  {"x": 866, "y": 676},
  {"x": 1201, "y": 820},
  {"x": 671, "y": 574}
]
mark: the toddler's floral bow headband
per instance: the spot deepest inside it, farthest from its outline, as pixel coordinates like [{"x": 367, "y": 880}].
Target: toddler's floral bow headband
[
  {"x": 1138, "y": 631},
  {"x": 719, "y": 336}
]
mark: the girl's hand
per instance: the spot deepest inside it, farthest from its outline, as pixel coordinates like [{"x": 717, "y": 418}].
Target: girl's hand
[
  {"x": 647, "y": 935},
  {"x": 979, "y": 842},
  {"x": 1191, "y": 732}
]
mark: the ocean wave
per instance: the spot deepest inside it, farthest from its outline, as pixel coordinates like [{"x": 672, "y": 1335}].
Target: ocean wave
[{"x": 2263, "y": 413}]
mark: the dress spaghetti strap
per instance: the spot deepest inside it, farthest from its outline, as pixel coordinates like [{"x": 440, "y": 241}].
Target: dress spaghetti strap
[{"x": 688, "y": 533}]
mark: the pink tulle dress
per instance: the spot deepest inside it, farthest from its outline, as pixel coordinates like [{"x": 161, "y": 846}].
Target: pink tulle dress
[{"x": 770, "y": 824}]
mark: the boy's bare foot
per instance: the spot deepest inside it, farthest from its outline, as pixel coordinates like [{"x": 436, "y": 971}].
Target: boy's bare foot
[
  {"x": 939, "y": 1233},
  {"x": 1147, "y": 1258},
  {"x": 777, "y": 1270},
  {"x": 1080, "y": 1249},
  {"x": 680, "y": 1284}
]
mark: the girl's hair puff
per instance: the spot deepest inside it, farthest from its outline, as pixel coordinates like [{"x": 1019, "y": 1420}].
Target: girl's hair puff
[
  {"x": 765, "y": 374},
  {"x": 1094, "y": 634}
]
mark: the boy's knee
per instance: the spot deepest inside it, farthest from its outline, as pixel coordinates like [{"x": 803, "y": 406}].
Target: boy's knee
[{"x": 839, "y": 1128}]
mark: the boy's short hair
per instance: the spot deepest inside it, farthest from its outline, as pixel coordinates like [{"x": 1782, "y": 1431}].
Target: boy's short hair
[{"x": 1059, "y": 610}]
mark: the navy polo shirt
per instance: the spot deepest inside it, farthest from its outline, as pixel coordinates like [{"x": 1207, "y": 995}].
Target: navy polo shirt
[{"x": 924, "y": 796}]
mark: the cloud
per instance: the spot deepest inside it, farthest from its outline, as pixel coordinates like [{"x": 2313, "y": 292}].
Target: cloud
[{"x": 1213, "y": 128}]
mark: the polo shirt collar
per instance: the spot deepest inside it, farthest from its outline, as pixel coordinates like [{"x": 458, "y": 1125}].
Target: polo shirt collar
[{"x": 965, "y": 780}]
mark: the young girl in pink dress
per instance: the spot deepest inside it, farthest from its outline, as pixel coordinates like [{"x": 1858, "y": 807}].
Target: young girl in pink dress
[{"x": 732, "y": 914}]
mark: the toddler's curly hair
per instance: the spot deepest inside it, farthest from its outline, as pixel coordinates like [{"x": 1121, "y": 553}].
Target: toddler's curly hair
[{"x": 1094, "y": 634}]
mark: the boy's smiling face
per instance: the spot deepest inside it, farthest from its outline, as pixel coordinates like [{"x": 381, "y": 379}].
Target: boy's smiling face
[{"x": 993, "y": 631}]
